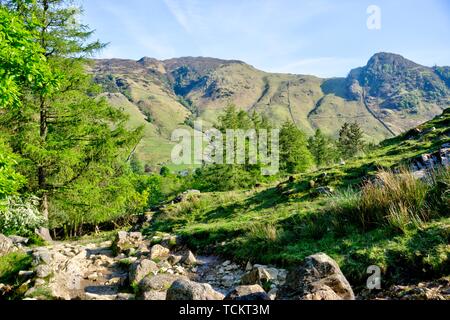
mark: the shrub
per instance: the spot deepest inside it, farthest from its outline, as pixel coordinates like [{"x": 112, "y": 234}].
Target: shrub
[{"x": 20, "y": 216}]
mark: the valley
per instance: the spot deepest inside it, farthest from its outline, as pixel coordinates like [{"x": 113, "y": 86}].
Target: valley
[{"x": 387, "y": 97}]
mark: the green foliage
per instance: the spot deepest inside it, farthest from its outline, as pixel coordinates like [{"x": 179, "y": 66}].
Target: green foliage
[
  {"x": 22, "y": 60},
  {"x": 396, "y": 200},
  {"x": 11, "y": 264},
  {"x": 350, "y": 140},
  {"x": 136, "y": 165},
  {"x": 10, "y": 180},
  {"x": 74, "y": 146},
  {"x": 294, "y": 154},
  {"x": 322, "y": 148},
  {"x": 165, "y": 171},
  {"x": 221, "y": 177}
]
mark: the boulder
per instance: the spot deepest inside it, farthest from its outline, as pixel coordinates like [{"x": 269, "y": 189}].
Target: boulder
[
  {"x": 248, "y": 293},
  {"x": 185, "y": 290},
  {"x": 174, "y": 259},
  {"x": 140, "y": 269},
  {"x": 189, "y": 258},
  {"x": 126, "y": 241},
  {"x": 19, "y": 240},
  {"x": 158, "y": 252},
  {"x": 160, "y": 282},
  {"x": 318, "y": 278},
  {"x": 6, "y": 245},
  {"x": 258, "y": 275}
]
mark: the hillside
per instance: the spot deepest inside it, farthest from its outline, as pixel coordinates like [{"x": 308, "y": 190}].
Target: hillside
[
  {"x": 285, "y": 221},
  {"x": 388, "y": 96}
]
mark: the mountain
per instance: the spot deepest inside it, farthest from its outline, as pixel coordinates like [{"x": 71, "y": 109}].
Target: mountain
[{"x": 386, "y": 97}]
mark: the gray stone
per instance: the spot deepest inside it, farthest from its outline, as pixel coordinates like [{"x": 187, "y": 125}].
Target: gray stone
[
  {"x": 258, "y": 275},
  {"x": 140, "y": 269},
  {"x": 174, "y": 259},
  {"x": 158, "y": 252},
  {"x": 126, "y": 241},
  {"x": 318, "y": 278},
  {"x": 185, "y": 290},
  {"x": 159, "y": 282},
  {"x": 189, "y": 258},
  {"x": 248, "y": 293},
  {"x": 19, "y": 240},
  {"x": 43, "y": 271}
]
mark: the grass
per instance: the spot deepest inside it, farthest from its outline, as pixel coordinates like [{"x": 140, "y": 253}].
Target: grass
[
  {"x": 11, "y": 264},
  {"x": 396, "y": 200}
]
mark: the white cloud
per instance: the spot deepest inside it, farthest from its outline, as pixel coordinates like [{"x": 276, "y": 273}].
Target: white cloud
[{"x": 186, "y": 12}]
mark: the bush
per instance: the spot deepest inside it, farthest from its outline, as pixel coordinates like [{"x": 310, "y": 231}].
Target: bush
[
  {"x": 398, "y": 200},
  {"x": 20, "y": 217}
]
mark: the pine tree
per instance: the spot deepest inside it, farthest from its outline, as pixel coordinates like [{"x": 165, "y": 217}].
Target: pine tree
[
  {"x": 350, "y": 140},
  {"x": 322, "y": 148},
  {"x": 73, "y": 143},
  {"x": 294, "y": 154}
]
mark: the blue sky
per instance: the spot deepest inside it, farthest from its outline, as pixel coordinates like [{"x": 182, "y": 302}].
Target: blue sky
[{"x": 321, "y": 37}]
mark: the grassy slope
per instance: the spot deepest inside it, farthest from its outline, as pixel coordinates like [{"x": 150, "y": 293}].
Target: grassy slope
[{"x": 284, "y": 224}]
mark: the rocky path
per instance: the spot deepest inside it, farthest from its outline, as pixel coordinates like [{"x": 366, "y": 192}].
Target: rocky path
[
  {"x": 162, "y": 268},
  {"x": 130, "y": 268}
]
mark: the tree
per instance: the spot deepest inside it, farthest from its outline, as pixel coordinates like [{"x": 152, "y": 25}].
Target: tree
[
  {"x": 22, "y": 60},
  {"x": 294, "y": 154},
  {"x": 350, "y": 140},
  {"x": 74, "y": 145},
  {"x": 322, "y": 148}
]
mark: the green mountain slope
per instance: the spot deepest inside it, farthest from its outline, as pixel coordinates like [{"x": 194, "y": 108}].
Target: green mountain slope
[
  {"x": 285, "y": 221},
  {"x": 388, "y": 96}
]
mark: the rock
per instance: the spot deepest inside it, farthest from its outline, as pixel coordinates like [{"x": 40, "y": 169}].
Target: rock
[
  {"x": 174, "y": 259},
  {"x": 42, "y": 256},
  {"x": 154, "y": 295},
  {"x": 25, "y": 275},
  {"x": 164, "y": 265},
  {"x": 5, "y": 289},
  {"x": 325, "y": 190},
  {"x": 158, "y": 252},
  {"x": 248, "y": 293},
  {"x": 160, "y": 282},
  {"x": 273, "y": 293},
  {"x": 228, "y": 280},
  {"x": 182, "y": 290},
  {"x": 125, "y": 296},
  {"x": 187, "y": 195},
  {"x": 6, "y": 245},
  {"x": 258, "y": 275},
  {"x": 140, "y": 269},
  {"x": 180, "y": 270},
  {"x": 189, "y": 258},
  {"x": 171, "y": 241},
  {"x": 19, "y": 240},
  {"x": 93, "y": 276},
  {"x": 126, "y": 241},
  {"x": 318, "y": 278},
  {"x": 248, "y": 267},
  {"x": 43, "y": 271}
]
